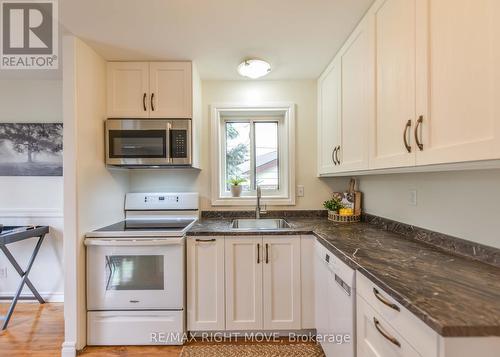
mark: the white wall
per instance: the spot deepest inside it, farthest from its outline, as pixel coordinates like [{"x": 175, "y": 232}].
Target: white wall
[
  {"x": 93, "y": 195},
  {"x": 33, "y": 200},
  {"x": 462, "y": 204},
  {"x": 300, "y": 92}
]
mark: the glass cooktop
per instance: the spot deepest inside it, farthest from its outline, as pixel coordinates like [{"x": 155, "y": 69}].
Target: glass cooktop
[{"x": 164, "y": 224}]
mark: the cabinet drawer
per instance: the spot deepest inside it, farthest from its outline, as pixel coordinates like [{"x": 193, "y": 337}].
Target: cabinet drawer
[
  {"x": 417, "y": 333},
  {"x": 376, "y": 337},
  {"x": 110, "y": 328}
]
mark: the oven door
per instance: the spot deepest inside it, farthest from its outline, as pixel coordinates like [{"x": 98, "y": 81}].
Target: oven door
[
  {"x": 132, "y": 142},
  {"x": 137, "y": 274}
]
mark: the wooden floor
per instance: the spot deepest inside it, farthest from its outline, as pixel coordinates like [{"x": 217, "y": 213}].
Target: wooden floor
[
  {"x": 34, "y": 330},
  {"x": 38, "y": 331}
]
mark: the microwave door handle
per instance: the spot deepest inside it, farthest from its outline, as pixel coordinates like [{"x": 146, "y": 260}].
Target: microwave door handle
[{"x": 169, "y": 142}]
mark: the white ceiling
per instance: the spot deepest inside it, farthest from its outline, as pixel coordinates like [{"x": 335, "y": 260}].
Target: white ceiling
[{"x": 298, "y": 37}]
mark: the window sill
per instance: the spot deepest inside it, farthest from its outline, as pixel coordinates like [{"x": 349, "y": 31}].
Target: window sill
[{"x": 251, "y": 201}]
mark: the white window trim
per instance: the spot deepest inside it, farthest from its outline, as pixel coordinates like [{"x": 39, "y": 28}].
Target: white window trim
[{"x": 284, "y": 109}]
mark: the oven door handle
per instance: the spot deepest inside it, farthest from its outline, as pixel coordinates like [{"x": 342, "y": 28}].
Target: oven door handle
[{"x": 133, "y": 242}]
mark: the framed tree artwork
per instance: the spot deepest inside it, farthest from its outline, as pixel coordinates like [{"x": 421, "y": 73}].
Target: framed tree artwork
[{"x": 31, "y": 149}]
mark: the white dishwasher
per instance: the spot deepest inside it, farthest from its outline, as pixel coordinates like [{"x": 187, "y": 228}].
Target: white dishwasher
[{"x": 335, "y": 304}]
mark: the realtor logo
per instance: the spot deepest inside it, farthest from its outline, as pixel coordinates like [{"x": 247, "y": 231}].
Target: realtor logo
[{"x": 29, "y": 34}]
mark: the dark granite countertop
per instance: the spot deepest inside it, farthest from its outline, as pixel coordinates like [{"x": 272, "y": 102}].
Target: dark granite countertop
[{"x": 454, "y": 295}]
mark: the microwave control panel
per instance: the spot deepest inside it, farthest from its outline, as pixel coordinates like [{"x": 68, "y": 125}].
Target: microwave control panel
[{"x": 178, "y": 144}]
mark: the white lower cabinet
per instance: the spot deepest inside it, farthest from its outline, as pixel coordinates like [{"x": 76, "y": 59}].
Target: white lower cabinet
[
  {"x": 376, "y": 338},
  {"x": 205, "y": 284},
  {"x": 383, "y": 323},
  {"x": 281, "y": 282},
  {"x": 249, "y": 283},
  {"x": 244, "y": 283},
  {"x": 263, "y": 288}
]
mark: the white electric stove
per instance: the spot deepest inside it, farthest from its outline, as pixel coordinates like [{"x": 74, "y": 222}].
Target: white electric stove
[{"x": 135, "y": 272}]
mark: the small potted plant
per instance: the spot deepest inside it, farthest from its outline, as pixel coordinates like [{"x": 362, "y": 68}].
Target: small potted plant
[
  {"x": 236, "y": 188},
  {"x": 333, "y": 205}
]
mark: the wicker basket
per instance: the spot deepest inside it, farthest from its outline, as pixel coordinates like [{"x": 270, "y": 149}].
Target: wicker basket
[{"x": 335, "y": 217}]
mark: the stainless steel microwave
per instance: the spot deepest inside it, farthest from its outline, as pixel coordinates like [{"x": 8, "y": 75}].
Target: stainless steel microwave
[{"x": 146, "y": 143}]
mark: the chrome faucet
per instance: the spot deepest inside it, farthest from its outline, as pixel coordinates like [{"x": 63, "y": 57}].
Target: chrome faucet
[{"x": 258, "y": 209}]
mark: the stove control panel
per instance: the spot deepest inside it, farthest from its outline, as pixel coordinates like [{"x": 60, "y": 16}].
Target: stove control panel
[{"x": 161, "y": 201}]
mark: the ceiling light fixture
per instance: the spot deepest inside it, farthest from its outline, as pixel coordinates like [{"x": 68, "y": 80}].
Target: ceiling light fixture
[{"x": 254, "y": 68}]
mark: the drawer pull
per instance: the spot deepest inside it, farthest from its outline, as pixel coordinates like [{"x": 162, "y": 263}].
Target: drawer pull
[
  {"x": 388, "y": 337},
  {"x": 384, "y": 300},
  {"x": 205, "y": 240}
]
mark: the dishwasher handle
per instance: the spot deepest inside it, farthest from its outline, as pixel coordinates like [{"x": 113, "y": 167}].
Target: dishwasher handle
[{"x": 346, "y": 288}]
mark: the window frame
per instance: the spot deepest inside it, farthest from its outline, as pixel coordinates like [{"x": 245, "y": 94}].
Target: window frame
[{"x": 284, "y": 114}]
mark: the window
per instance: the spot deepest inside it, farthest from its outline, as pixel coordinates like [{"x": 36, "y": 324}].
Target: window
[{"x": 253, "y": 144}]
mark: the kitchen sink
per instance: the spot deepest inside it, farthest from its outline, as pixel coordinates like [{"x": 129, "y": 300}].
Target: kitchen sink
[{"x": 260, "y": 224}]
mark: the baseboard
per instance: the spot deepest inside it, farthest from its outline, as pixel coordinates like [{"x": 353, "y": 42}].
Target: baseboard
[
  {"x": 68, "y": 349},
  {"x": 48, "y": 297}
]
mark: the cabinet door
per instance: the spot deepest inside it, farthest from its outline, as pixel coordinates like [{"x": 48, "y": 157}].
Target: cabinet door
[
  {"x": 205, "y": 284},
  {"x": 171, "y": 90},
  {"x": 328, "y": 118},
  {"x": 356, "y": 97},
  {"x": 128, "y": 89},
  {"x": 395, "y": 83},
  {"x": 281, "y": 283},
  {"x": 374, "y": 336},
  {"x": 243, "y": 282},
  {"x": 459, "y": 55}
]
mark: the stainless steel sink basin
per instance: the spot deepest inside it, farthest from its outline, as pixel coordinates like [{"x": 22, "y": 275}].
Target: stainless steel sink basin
[{"x": 260, "y": 224}]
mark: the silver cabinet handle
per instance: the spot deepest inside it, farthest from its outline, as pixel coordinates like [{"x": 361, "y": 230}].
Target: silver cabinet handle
[
  {"x": 333, "y": 156},
  {"x": 337, "y": 155},
  {"x": 388, "y": 337},
  {"x": 384, "y": 300},
  {"x": 405, "y": 135}
]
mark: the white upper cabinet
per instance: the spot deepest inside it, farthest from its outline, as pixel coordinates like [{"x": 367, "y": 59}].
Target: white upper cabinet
[
  {"x": 459, "y": 81},
  {"x": 356, "y": 97},
  {"x": 430, "y": 90},
  {"x": 281, "y": 283},
  {"x": 329, "y": 118},
  {"x": 128, "y": 89},
  {"x": 395, "y": 77},
  {"x": 171, "y": 89},
  {"x": 150, "y": 90}
]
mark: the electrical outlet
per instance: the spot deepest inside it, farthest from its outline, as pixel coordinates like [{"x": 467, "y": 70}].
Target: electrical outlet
[
  {"x": 300, "y": 190},
  {"x": 3, "y": 273},
  {"x": 412, "y": 199}
]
